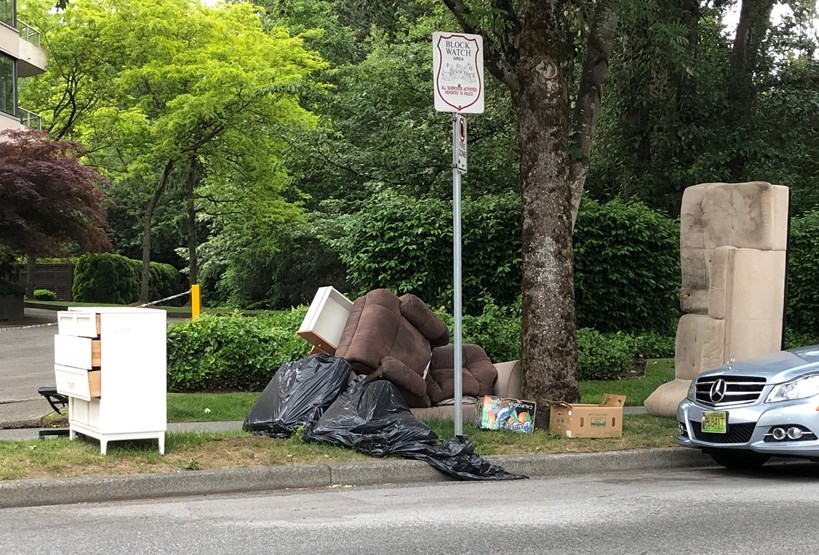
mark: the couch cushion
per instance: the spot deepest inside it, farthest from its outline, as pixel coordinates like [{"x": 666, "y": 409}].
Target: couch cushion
[
  {"x": 475, "y": 363},
  {"x": 427, "y": 322}
]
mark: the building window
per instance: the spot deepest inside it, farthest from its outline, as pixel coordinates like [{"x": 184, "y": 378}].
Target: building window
[
  {"x": 7, "y": 86},
  {"x": 7, "y": 12}
]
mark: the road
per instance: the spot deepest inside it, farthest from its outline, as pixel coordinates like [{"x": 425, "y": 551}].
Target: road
[
  {"x": 26, "y": 363},
  {"x": 681, "y": 511}
]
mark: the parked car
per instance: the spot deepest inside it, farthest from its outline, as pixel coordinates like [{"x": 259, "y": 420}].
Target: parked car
[{"x": 745, "y": 412}]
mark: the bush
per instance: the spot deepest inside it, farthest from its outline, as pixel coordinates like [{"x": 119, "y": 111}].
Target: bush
[
  {"x": 105, "y": 278},
  {"x": 654, "y": 345},
  {"x": 232, "y": 353},
  {"x": 802, "y": 309},
  {"x": 44, "y": 295},
  {"x": 604, "y": 356},
  {"x": 405, "y": 244},
  {"x": 115, "y": 279},
  {"x": 496, "y": 329},
  {"x": 627, "y": 269}
]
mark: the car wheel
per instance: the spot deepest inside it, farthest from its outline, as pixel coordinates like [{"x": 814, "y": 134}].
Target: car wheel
[{"x": 738, "y": 460}]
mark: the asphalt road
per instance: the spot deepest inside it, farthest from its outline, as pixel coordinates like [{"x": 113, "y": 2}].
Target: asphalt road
[
  {"x": 704, "y": 510},
  {"x": 26, "y": 364}
]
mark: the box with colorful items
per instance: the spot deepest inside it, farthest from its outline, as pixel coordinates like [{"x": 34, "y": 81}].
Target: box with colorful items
[{"x": 495, "y": 413}]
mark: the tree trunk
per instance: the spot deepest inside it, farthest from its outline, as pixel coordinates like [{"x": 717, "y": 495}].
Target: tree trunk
[
  {"x": 590, "y": 95},
  {"x": 146, "y": 232},
  {"x": 31, "y": 266},
  {"x": 190, "y": 186},
  {"x": 549, "y": 358},
  {"x": 754, "y": 20}
]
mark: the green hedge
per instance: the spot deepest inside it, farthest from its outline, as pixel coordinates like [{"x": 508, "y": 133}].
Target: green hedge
[
  {"x": 627, "y": 268},
  {"x": 112, "y": 278},
  {"x": 232, "y": 353},
  {"x": 802, "y": 310}
]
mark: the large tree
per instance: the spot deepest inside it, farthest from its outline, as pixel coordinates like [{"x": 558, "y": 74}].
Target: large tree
[
  {"x": 531, "y": 46},
  {"x": 49, "y": 201},
  {"x": 177, "y": 89}
]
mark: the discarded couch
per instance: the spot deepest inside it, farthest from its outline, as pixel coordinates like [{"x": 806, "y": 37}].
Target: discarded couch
[{"x": 401, "y": 340}]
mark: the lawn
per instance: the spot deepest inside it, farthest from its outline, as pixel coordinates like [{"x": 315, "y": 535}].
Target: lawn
[
  {"x": 59, "y": 457},
  {"x": 237, "y": 449}
]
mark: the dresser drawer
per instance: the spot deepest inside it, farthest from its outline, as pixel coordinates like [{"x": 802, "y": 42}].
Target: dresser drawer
[
  {"x": 76, "y": 382},
  {"x": 81, "y": 324},
  {"x": 80, "y": 352}
]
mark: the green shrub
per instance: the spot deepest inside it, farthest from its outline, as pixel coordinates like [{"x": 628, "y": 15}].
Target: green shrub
[
  {"x": 603, "y": 356},
  {"x": 405, "y": 244},
  {"x": 44, "y": 295},
  {"x": 105, "y": 278},
  {"x": 627, "y": 270},
  {"x": 115, "y": 279},
  {"x": 654, "y": 345},
  {"x": 232, "y": 353},
  {"x": 802, "y": 309},
  {"x": 496, "y": 329},
  {"x": 794, "y": 339}
]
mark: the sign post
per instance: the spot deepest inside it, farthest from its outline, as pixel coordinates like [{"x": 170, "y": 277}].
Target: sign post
[{"x": 457, "y": 69}]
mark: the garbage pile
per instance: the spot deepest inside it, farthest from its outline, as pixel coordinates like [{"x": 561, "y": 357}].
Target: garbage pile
[{"x": 370, "y": 416}]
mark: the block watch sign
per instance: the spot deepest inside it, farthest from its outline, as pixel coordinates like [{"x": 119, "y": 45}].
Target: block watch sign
[{"x": 458, "y": 72}]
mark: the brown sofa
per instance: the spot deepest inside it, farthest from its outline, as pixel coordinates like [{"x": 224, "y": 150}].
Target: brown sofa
[
  {"x": 401, "y": 340},
  {"x": 508, "y": 385}
]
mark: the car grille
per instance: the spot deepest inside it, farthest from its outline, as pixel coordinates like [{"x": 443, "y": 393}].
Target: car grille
[
  {"x": 739, "y": 390},
  {"x": 736, "y": 433}
]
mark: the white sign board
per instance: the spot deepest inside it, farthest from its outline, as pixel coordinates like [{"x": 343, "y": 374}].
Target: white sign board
[
  {"x": 457, "y": 68},
  {"x": 460, "y": 143}
]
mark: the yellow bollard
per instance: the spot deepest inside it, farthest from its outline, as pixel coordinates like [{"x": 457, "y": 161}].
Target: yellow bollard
[{"x": 195, "y": 300}]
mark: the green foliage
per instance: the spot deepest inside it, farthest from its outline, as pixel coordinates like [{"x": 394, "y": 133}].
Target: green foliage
[
  {"x": 216, "y": 353},
  {"x": 105, "y": 278},
  {"x": 496, "y": 329},
  {"x": 802, "y": 310},
  {"x": 44, "y": 295},
  {"x": 111, "y": 278},
  {"x": 654, "y": 345},
  {"x": 405, "y": 244},
  {"x": 794, "y": 339},
  {"x": 603, "y": 356},
  {"x": 627, "y": 269}
]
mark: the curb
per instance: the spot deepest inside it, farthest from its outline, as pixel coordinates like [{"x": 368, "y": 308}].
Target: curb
[{"x": 98, "y": 489}]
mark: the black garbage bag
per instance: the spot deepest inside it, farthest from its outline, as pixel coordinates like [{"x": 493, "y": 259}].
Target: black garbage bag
[
  {"x": 373, "y": 418},
  {"x": 298, "y": 394}
]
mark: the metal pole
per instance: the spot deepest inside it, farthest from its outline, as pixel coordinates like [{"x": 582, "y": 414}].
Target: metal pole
[{"x": 456, "y": 251}]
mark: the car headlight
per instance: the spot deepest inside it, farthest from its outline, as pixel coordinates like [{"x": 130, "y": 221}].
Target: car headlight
[
  {"x": 692, "y": 391},
  {"x": 796, "y": 389}
]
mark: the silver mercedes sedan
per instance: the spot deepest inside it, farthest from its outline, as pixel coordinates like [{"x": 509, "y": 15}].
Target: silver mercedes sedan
[{"x": 745, "y": 412}]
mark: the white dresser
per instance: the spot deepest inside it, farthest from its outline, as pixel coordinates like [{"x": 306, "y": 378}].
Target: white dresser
[{"x": 111, "y": 363}]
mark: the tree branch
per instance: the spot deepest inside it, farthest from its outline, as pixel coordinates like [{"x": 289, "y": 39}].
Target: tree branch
[
  {"x": 595, "y": 71},
  {"x": 497, "y": 64}
]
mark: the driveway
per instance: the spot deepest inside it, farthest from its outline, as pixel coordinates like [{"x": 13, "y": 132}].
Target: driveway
[{"x": 26, "y": 363}]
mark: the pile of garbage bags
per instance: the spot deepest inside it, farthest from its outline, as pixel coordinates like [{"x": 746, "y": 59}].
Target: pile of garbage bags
[{"x": 369, "y": 416}]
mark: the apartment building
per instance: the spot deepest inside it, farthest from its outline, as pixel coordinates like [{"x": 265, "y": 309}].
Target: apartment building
[{"x": 20, "y": 57}]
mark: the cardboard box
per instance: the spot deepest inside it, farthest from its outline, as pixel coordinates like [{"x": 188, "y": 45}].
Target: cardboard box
[
  {"x": 496, "y": 413},
  {"x": 324, "y": 322},
  {"x": 583, "y": 421}
]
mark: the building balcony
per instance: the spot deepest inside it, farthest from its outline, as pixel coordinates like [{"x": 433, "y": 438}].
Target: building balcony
[
  {"x": 23, "y": 44},
  {"x": 30, "y": 119}
]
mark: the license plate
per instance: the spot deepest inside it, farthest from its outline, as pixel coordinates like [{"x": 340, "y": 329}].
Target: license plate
[{"x": 715, "y": 422}]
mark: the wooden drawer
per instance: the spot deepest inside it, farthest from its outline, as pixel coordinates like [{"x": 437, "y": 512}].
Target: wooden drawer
[
  {"x": 81, "y": 324},
  {"x": 76, "y": 382},
  {"x": 80, "y": 352}
]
